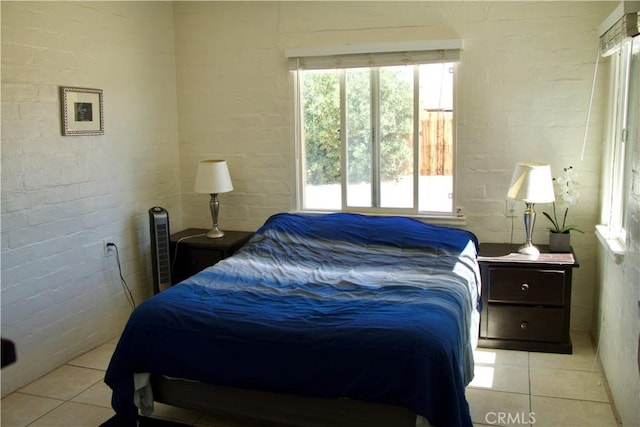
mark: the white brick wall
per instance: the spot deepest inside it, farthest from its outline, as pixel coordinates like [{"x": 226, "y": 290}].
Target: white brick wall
[
  {"x": 224, "y": 91},
  {"x": 524, "y": 86},
  {"x": 61, "y": 196}
]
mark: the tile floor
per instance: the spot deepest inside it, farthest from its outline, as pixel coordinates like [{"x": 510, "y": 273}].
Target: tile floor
[{"x": 510, "y": 388}]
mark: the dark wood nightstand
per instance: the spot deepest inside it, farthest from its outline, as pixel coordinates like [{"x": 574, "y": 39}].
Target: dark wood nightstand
[
  {"x": 196, "y": 251},
  {"x": 526, "y": 302}
]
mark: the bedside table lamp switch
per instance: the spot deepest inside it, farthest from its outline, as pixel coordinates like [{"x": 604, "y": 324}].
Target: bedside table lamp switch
[
  {"x": 213, "y": 178},
  {"x": 532, "y": 183}
]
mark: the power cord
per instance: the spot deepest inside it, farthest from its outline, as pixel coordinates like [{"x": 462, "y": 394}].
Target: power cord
[
  {"x": 128, "y": 293},
  {"x": 175, "y": 251}
]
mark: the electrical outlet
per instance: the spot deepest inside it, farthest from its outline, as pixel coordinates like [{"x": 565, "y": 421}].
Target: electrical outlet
[
  {"x": 510, "y": 208},
  {"x": 108, "y": 250}
]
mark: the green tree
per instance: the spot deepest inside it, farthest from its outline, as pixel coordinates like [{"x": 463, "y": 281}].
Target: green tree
[
  {"x": 396, "y": 125},
  {"x": 322, "y": 126}
]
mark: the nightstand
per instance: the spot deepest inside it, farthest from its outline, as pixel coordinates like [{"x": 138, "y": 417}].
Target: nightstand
[
  {"x": 198, "y": 252},
  {"x": 526, "y": 302}
]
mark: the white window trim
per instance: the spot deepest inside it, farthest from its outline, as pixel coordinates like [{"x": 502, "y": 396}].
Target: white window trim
[
  {"x": 613, "y": 191},
  {"x": 450, "y": 52},
  {"x": 615, "y": 39},
  {"x": 614, "y": 246},
  {"x": 412, "y": 46}
]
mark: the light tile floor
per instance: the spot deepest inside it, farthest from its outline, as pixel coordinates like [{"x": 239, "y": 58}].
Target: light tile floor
[{"x": 513, "y": 388}]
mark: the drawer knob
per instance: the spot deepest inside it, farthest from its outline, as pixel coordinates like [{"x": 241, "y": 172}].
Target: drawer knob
[
  {"x": 524, "y": 287},
  {"x": 524, "y": 325}
]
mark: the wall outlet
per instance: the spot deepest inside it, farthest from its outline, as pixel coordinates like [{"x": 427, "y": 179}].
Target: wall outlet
[
  {"x": 510, "y": 208},
  {"x": 108, "y": 250}
]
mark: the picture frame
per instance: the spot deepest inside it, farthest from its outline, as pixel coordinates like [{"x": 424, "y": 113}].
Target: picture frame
[{"x": 82, "y": 111}]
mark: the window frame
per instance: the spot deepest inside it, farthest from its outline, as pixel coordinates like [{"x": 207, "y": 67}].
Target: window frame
[
  {"x": 616, "y": 168},
  {"x": 296, "y": 68}
]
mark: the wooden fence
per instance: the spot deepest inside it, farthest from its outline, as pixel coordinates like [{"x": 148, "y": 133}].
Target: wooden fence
[{"x": 436, "y": 143}]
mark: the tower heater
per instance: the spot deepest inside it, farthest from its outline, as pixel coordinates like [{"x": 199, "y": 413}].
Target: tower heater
[{"x": 160, "y": 251}]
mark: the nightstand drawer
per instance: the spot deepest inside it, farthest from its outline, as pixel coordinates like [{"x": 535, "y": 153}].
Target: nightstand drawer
[
  {"x": 199, "y": 259},
  {"x": 192, "y": 251},
  {"x": 527, "y": 286},
  {"x": 525, "y": 323}
]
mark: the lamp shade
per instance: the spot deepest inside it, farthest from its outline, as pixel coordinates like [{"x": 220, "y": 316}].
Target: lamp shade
[
  {"x": 213, "y": 177},
  {"x": 532, "y": 183}
]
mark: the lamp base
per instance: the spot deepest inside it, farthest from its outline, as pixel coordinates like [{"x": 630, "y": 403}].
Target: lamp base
[
  {"x": 215, "y": 233},
  {"x": 529, "y": 221},
  {"x": 529, "y": 249},
  {"x": 214, "y": 207}
]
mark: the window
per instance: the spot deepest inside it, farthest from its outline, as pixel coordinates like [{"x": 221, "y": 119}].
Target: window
[
  {"x": 376, "y": 131},
  {"x": 620, "y": 184}
]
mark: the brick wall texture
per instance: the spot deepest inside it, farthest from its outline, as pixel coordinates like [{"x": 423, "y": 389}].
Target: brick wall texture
[{"x": 186, "y": 81}]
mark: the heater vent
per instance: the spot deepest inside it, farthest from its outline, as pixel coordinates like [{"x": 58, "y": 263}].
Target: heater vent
[{"x": 160, "y": 252}]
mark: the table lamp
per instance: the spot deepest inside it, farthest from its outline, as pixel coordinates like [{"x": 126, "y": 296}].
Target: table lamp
[
  {"x": 532, "y": 183},
  {"x": 213, "y": 178}
]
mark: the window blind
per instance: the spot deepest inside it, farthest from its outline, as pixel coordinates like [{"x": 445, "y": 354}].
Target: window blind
[
  {"x": 355, "y": 56},
  {"x": 622, "y": 23}
]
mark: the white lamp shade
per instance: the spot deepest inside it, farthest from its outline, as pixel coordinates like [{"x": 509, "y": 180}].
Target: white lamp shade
[
  {"x": 532, "y": 183},
  {"x": 213, "y": 177}
]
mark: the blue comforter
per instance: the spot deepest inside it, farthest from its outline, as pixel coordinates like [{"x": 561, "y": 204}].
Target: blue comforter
[{"x": 341, "y": 305}]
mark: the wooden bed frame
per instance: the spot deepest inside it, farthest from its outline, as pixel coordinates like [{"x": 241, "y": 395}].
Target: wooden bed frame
[{"x": 259, "y": 408}]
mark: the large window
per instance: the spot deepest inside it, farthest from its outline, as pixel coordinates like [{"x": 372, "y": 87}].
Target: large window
[
  {"x": 620, "y": 184},
  {"x": 376, "y": 138}
]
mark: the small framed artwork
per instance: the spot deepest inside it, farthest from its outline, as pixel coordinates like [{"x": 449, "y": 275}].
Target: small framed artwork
[{"x": 82, "y": 111}]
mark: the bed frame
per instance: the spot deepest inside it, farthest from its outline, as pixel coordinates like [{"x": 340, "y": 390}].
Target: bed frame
[{"x": 275, "y": 409}]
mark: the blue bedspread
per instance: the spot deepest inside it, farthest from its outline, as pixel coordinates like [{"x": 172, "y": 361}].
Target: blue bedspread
[{"x": 340, "y": 305}]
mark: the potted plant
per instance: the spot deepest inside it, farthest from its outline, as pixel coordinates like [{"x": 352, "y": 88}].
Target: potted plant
[{"x": 567, "y": 195}]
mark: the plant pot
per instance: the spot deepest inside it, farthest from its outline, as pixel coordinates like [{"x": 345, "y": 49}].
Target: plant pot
[{"x": 560, "y": 242}]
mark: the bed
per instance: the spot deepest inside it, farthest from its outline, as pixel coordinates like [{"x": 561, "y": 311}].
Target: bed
[{"x": 365, "y": 312}]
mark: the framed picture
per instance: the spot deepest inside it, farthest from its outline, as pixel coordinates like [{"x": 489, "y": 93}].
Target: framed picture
[{"x": 82, "y": 111}]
